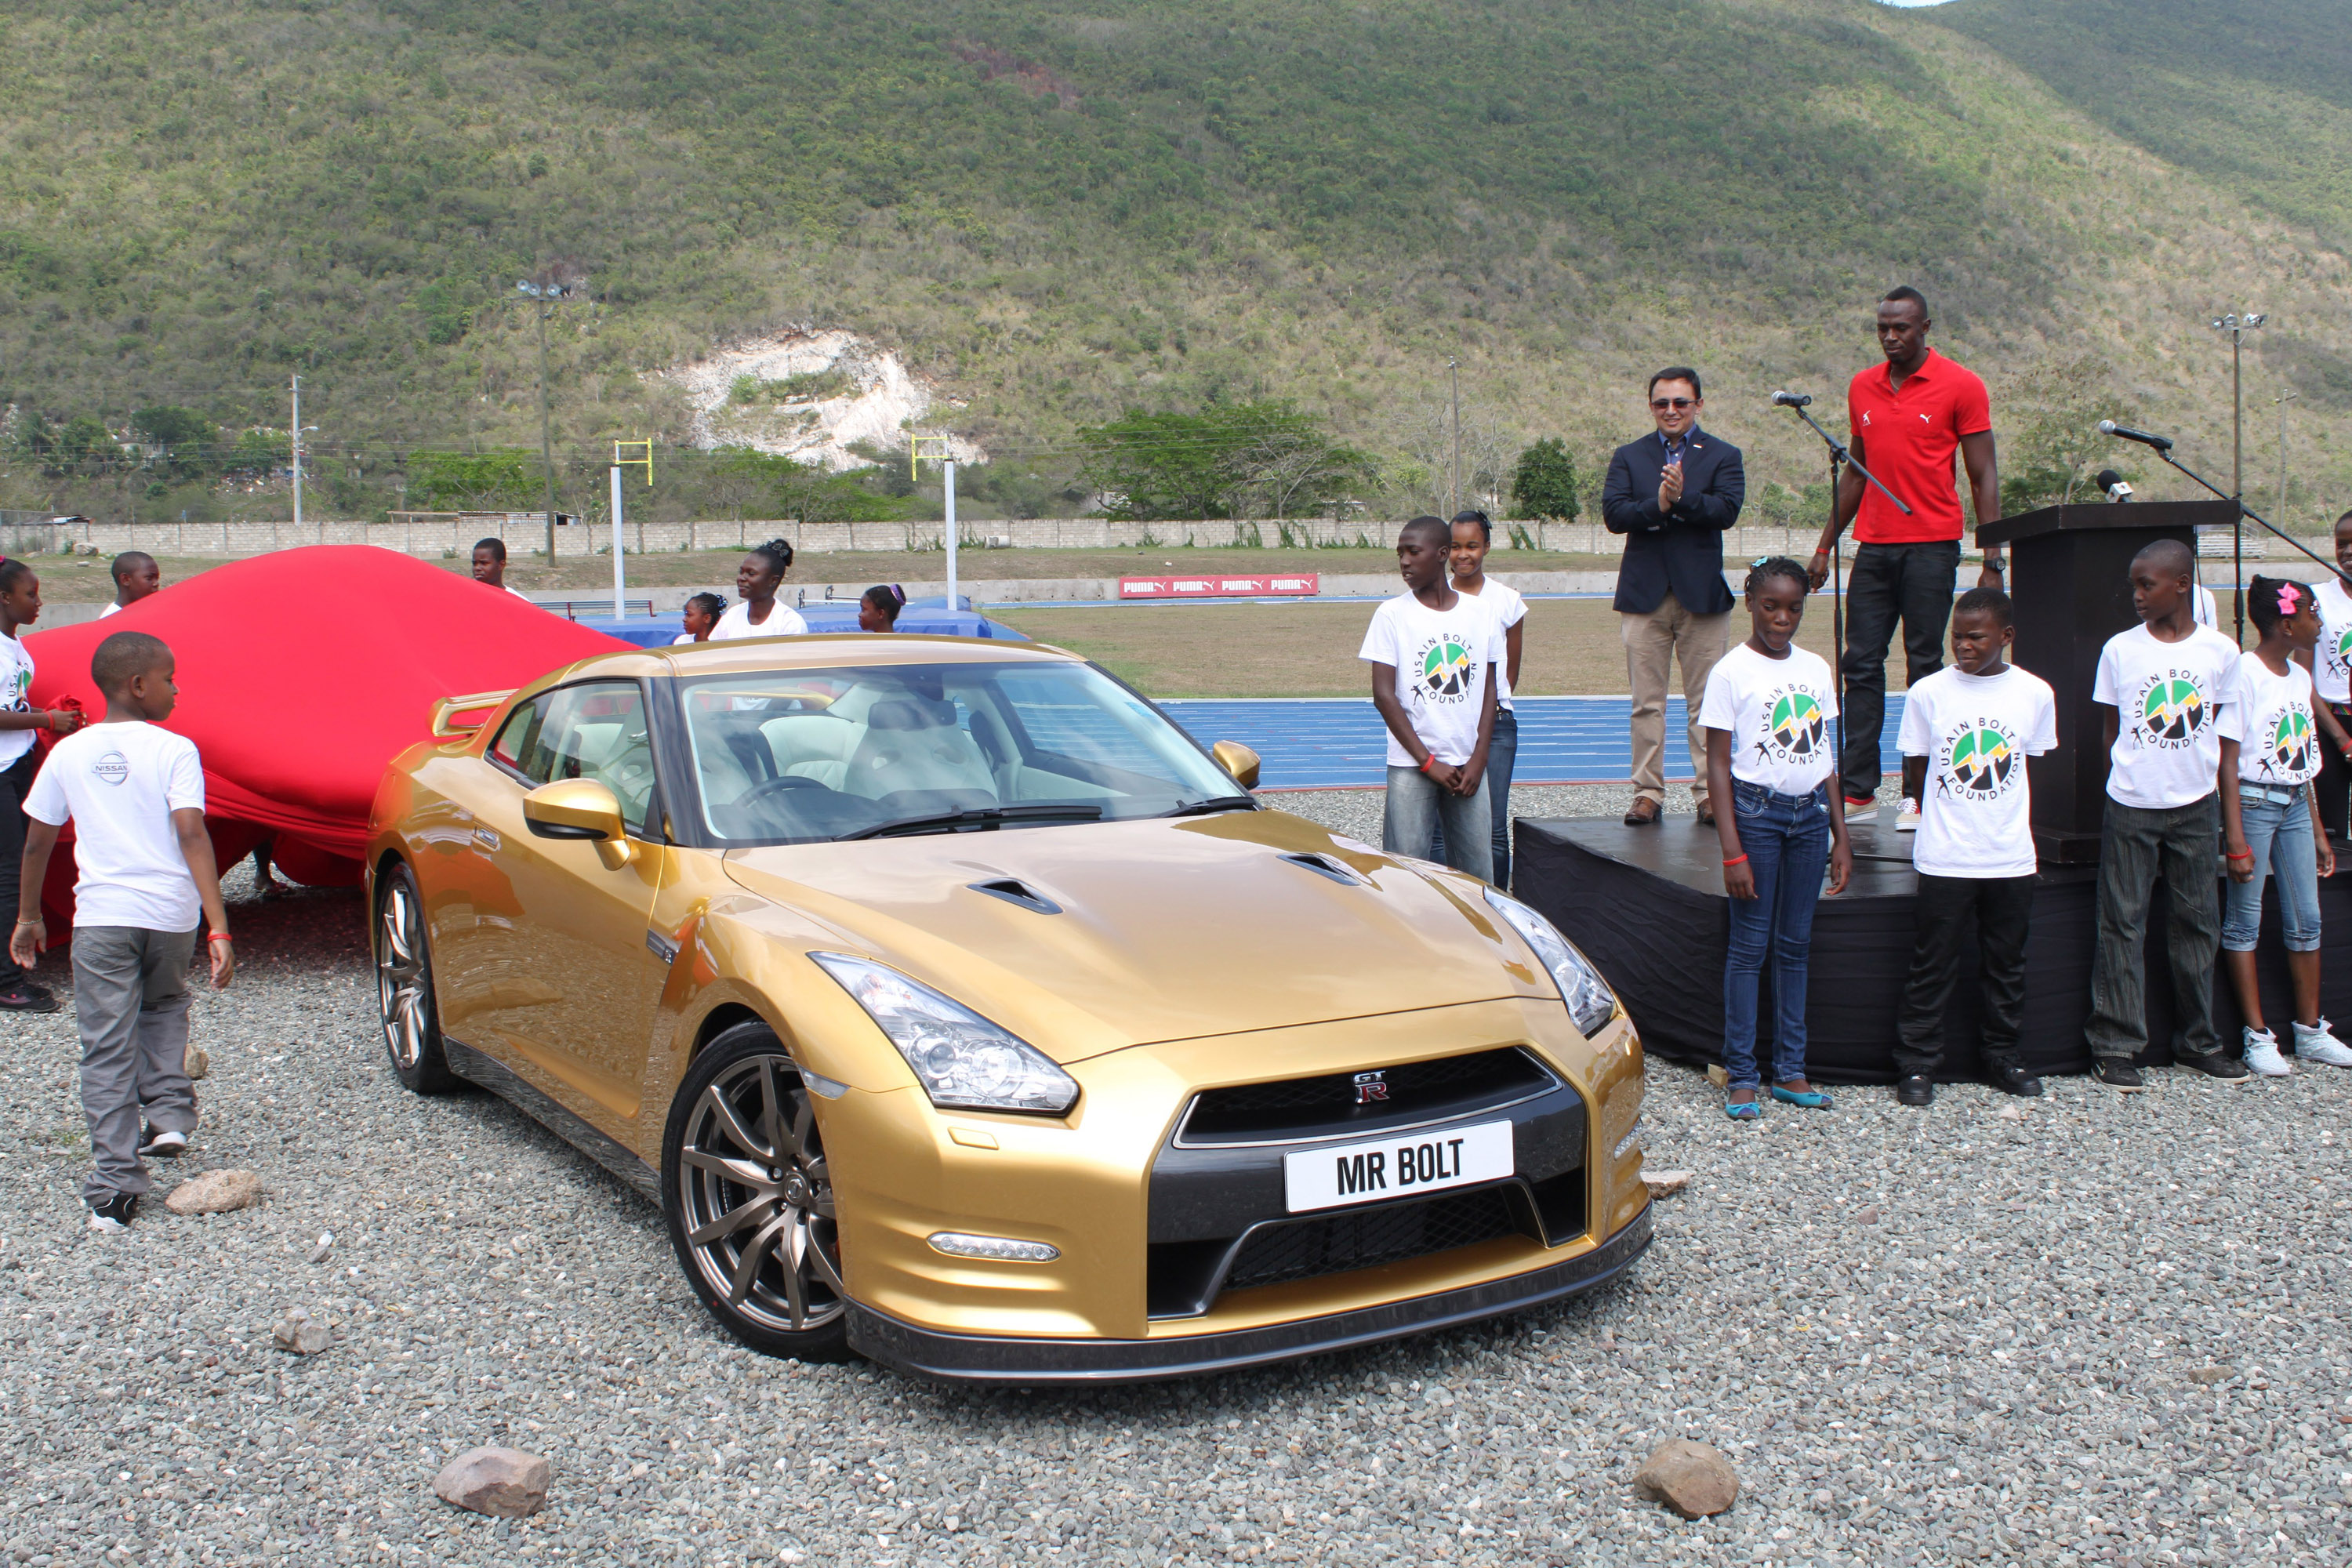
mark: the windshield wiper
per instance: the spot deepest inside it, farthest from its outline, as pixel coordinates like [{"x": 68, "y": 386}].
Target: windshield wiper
[
  {"x": 1216, "y": 803},
  {"x": 985, "y": 816}
]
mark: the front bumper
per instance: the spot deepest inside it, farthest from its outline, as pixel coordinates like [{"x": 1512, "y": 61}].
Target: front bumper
[{"x": 1006, "y": 1359}]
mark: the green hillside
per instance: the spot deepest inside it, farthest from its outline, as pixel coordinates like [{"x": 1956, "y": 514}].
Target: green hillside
[{"x": 1056, "y": 214}]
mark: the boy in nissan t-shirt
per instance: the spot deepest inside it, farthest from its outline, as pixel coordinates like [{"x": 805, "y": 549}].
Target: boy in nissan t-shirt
[
  {"x": 135, "y": 794},
  {"x": 1974, "y": 721},
  {"x": 2163, "y": 683}
]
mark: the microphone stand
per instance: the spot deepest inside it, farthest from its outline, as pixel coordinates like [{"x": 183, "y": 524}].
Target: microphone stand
[
  {"x": 1838, "y": 454},
  {"x": 2245, "y": 511}
]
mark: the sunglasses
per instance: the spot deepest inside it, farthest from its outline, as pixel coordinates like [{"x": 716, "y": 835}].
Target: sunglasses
[{"x": 1662, "y": 403}]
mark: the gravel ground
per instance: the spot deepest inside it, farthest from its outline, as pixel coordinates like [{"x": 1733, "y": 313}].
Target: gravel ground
[{"x": 2097, "y": 1331}]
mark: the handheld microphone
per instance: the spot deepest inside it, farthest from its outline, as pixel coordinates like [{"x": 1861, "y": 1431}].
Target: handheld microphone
[
  {"x": 2112, "y": 483},
  {"x": 1790, "y": 400},
  {"x": 2125, "y": 432}
]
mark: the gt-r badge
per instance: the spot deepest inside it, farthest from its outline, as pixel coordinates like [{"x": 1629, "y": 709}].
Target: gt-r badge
[{"x": 1372, "y": 1086}]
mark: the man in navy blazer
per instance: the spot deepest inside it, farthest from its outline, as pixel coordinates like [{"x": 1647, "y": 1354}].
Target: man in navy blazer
[{"x": 1672, "y": 494}]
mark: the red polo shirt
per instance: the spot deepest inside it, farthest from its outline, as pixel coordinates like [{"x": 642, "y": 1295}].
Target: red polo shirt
[{"x": 1908, "y": 437}]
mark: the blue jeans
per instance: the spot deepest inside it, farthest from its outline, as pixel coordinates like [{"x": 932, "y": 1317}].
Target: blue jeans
[
  {"x": 1416, "y": 807},
  {"x": 2278, "y": 830},
  {"x": 1502, "y": 750},
  {"x": 1786, "y": 840}
]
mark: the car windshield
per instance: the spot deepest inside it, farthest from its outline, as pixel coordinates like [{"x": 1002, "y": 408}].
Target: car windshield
[{"x": 794, "y": 755}]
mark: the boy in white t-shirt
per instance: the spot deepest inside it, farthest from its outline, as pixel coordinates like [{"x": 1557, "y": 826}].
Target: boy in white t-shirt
[
  {"x": 1435, "y": 657},
  {"x": 2164, "y": 684},
  {"x": 1973, "y": 722},
  {"x": 135, "y": 796},
  {"x": 2330, "y": 663}
]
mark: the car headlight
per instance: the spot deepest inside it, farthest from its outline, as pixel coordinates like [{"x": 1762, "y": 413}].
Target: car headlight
[
  {"x": 963, "y": 1060},
  {"x": 1590, "y": 1003}
]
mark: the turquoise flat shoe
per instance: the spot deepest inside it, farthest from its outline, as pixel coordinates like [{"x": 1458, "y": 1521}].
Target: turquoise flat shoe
[
  {"x": 1743, "y": 1110},
  {"x": 1812, "y": 1099}
]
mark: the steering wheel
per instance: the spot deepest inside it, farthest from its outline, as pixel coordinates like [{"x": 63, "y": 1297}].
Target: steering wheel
[{"x": 776, "y": 785}]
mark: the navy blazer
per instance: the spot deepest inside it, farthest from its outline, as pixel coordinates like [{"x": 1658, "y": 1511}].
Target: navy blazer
[{"x": 1681, "y": 550}]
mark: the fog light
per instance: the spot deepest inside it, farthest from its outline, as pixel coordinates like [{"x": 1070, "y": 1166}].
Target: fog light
[
  {"x": 998, "y": 1249},
  {"x": 1633, "y": 1136}
]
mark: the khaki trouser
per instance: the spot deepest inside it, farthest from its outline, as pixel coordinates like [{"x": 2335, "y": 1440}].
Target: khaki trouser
[{"x": 1653, "y": 642}]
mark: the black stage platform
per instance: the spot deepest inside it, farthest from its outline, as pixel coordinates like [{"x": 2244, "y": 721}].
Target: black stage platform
[{"x": 1646, "y": 904}]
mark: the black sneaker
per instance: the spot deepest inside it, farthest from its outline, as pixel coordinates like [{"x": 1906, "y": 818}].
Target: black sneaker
[
  {"x": 2213, "y": 1064},
  {"x": 2117, "y": 1072},
  {"x": 1915, "y": 1090},
  {"x": 2010, "y": 1078},
  {"x": 26, "y": 997},
  {"x": 115, "y": 1213},
  {"x": 163, "y": 1145}
]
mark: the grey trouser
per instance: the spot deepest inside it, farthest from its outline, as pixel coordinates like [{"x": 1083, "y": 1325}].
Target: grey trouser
[
  {"x": 131, "y": 999},
  {"x": 2183, "y": 845},
  {"x": 1415, "y": 808},
  {"x": 1653, "y": 642}
]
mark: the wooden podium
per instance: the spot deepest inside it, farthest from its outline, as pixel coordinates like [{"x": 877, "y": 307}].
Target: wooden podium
[{"x": 2070, "y": 580}]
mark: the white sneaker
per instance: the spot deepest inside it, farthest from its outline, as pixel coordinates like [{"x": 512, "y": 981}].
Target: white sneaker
[
  {"x": 2262, "y": 1056},
  {"x": 2320, "y": 1044},
  {"x": 1907, "y": 816},
  {"x": 165, "y": 1144}
]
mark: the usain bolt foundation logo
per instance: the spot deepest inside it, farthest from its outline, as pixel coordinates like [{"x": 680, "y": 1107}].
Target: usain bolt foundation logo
[
  {"x": 1981, "y": 760},
  {"x": 1446, "y": 668},
  {"x": 2343, "y": 654},
  {"x": 2172, "y": 713},
  {"x": 1794, "y": 725},
  {"x": 2291, "y": 749}
]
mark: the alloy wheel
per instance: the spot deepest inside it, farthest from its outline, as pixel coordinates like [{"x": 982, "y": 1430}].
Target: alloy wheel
[
  {"x": 400, "y": 975},
  {"x": 756, "y": 1197}
]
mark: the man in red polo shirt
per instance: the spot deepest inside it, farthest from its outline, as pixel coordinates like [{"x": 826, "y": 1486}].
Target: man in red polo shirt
[{"x": 1908, "y": 416}]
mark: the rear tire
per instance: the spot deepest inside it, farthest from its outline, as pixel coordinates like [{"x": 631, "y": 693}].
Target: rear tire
[
  {"x": 747, "y": 1199},
  {"x": 404, "y": 984}
]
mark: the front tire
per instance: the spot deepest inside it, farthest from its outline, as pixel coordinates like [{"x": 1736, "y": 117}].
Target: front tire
[
  {"x": 403, "y": 983},
  {"x": 748, "y": 1198}
]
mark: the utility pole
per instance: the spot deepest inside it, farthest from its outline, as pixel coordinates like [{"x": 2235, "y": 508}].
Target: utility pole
[
  {"x": 553, "y": 284},
  {"x": 297, "y": 457},
  {"x": 2282, "y": 399},
  {"x": 943, "y": 451},
  {"x": 1454, "y": 478},
  {"x": 2238, "y": 324}
]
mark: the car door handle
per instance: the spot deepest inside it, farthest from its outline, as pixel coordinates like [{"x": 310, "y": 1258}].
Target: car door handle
[{"x": 487, "y": 839}]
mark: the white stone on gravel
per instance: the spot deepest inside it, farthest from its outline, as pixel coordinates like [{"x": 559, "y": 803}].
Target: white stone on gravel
[
  {"x": 214, "y": 1191},
  {"x": 1664, "y": 1183},
  {"x": 300, "y": 1333},
  {"x": 505, "y": 1483},
  {"x": 1692, "y": 1478},
  {"x": 196, "y": 1063},
  {"x": 1999, "y": 1372}
]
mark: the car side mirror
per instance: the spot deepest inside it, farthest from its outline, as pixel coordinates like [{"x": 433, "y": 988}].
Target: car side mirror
[
  {"x": 580, "y": 809},
  {"x": 1237, "y": 760}
]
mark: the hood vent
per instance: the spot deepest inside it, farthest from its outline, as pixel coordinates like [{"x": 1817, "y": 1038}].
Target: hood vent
[
  {"x": 1324, "y": 866},
  {"x": 1014, "y": 890}
]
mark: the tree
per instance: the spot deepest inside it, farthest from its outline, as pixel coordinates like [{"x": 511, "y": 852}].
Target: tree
[
  {"x": 476, "y": 481},
  {"x": 185, "y": 436},
  {"x": 1156, "y": 466},
  {"x": 1544, "y": 485}
]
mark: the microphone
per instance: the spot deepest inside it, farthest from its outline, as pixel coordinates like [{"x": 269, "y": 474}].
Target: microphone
[
  {"x": 2125, "y": 432},
  {"x": 2112, "y": 483},
  {"x": 1790, "y": 400}
]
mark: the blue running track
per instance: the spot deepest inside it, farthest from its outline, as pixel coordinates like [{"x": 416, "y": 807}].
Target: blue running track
[{"x": 1333, "y": 742}]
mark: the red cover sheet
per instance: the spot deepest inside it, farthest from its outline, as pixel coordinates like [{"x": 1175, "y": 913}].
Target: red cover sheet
[{"x": 301, "y": 674}]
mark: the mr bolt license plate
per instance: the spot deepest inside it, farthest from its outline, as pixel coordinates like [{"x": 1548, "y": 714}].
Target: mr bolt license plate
[{"x": 1402, "y": 1166}]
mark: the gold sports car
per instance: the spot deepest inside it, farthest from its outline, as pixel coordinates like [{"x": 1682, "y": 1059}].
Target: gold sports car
[{"x": 961, "y": 1011}]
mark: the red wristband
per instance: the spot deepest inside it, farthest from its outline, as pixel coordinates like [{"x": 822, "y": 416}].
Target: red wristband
[
  {"x": 1429, "y": 762},
  {"x": 218, "y": 936},
  {"x": 1741, "y": 861}
]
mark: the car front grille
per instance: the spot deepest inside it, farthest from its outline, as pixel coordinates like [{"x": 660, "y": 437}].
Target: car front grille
[
  {"x": 1347, "y": 1104},
  {"x": 1364, "y": 1238}
]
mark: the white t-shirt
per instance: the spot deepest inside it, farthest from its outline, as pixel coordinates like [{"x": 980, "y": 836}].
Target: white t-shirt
[
  {"x": 1509, "y": 607},
  {"x": 782, "y": 621},
  {"x": 1975, "y": 732},
  {"x": 15, "y": 697},
  {"x": 2270, "y": 718},
  {"x": 109, "y": 610},
  {"x": 682, "y": 639},
  {"x": 2203, "y": 612},
  {"x": 118, "y": 784},
  {"x": 519, "y": 593},
  {"x": 1777, "y": 712},
  {"x": 1441, "y": 659},
  {"x": 2167, "y": 697},
  {"x": 2331, "y": 661}
]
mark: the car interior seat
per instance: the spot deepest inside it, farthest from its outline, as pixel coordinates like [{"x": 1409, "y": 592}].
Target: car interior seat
[{"x": 911, "y": 744}]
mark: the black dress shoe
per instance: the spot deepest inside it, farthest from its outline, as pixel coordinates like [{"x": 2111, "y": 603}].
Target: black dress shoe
[
  {"x": 1916, "y": 1089},
  {"x": 2010, "y": 1078},
  {"x": 1642, "y": 813},
  {"x": 2213, "y": 1064},
  {"x": 1706, "y": 814}
]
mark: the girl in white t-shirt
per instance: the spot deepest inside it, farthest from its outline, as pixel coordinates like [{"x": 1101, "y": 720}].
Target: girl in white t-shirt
[
  {"x": 20, "y": 606},
  {"x": 756, "y": 581},
  {"x": 1770, "y": 752},
  {"x": 2270, "y": 754},
  {"x": 2330, "y": 663},
  {"x": 1474, "y": 535}
]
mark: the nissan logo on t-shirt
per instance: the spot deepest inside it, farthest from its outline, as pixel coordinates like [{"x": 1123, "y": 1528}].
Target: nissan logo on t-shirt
[{"x": 112, "y": 768}]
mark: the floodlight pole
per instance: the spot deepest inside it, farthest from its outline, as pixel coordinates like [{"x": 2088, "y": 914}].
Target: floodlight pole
[
  {"x": 943, "y": 450},
  {"x": 546, "y": 436},
  {"x": 2238, "y": 324},
  {"x": 297, "y": 452},
  {"x": 1453, "y": 477},
  {"x": 620, "y": 551}
]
